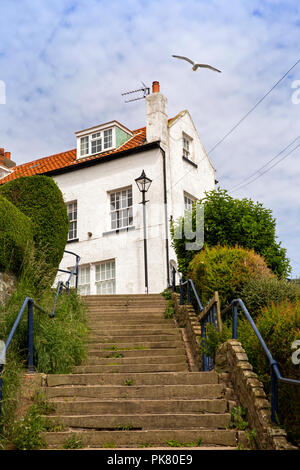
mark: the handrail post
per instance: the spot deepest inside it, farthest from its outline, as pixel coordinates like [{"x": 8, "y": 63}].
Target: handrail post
[
  {"x": 30, "y": 336},
  {"x": 188, "y": 292},
  {"x": 181, "y": 292},
  {"x": 234, "y": 320},
  {"x": 274, "y": 394},
  {"x": 173, "y": 279},
  {"x": 1, "y": 386}
]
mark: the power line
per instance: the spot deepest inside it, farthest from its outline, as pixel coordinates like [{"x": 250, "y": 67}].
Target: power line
[
  {"x": 266, "y": 164},
  {"x": 276, "y": 163},
  {"x": 251, "y": 110}
]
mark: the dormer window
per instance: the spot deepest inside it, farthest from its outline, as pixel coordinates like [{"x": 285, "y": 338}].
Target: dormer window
[{"x": 101, "y": 139}]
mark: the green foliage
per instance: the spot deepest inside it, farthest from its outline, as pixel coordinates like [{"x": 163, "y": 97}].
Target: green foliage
[
  {"x": 169, "y": 312},
  {"x": 16, "y": 237},
  {"x": 225, "y": 269},
  {"x": 174, "y": 443},
  {"x": 279, "y": 326},
  {"x": 229, "y": 221},
  {"x": 259, "y": 293},
  {"x": 27, "y": 431},
  {"x": 167, "y": 294},
  {"x": 11, "y": 377},
  {"x": 73, "y": 442},
  {"x": 238, "y": 418},
  {"x": 214, "y": 338},
  {"x": 40, "y": 199}
]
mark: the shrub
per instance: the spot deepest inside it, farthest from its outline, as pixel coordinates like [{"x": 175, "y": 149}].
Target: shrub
[
  {"x": 40, "y": 199},
  {"x": 229, "y": 221},
  {"x": 225, "y": 269},
  {"x": 15, "y": 237},
  {"x": 279, "y": 326},
  {"x": 259, "y": 293}
]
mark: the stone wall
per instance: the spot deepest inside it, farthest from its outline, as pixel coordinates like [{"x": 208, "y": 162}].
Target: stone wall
[
  {"x": 8, "y": 284},
  {"x": 187, "y": 319},
  {"x": 232, "y": 361}
]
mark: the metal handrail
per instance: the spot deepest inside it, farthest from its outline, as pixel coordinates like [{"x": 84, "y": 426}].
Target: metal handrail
[
  {"x": 61, "y": 285},
  {"x": 31, "y": 304},
  {"x": 275, "y": 372}
]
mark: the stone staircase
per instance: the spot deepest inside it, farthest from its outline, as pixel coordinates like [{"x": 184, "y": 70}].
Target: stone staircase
[{"x": 136, "y": 389}]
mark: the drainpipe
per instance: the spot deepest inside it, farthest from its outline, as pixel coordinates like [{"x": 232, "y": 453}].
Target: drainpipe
[{"x": 166, "y": 213}]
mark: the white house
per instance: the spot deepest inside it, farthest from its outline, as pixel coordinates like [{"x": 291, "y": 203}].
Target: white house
[{"x": 97, "y": 180}]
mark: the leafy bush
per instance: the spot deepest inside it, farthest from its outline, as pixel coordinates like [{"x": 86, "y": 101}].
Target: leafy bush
[
  {"x": 225, "y": 269},
  {"x": 229, "y": 221},
  {"x": 16, "y": 237},
  {"x": 279, "y": 326},
  {"x": 259, "y": 293},
  {"x": 40, "y": 199}
]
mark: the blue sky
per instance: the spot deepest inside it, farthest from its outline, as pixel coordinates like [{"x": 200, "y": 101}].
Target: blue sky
[{"x": 65, "y": 64}]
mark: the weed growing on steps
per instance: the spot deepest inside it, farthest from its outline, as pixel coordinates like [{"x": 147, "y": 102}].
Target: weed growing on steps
[
  {"x": 73, "y": 442},
  {"x": 238, "y": 415},
  {"x": 125, "y": 427},
  {"x": 27, "y": 431},
  {"x": 169, "y": 312},
  {"x": 173, "y": 443},
  {"x": 108, "y": 445},
  {"x": 129, "y": 382}
]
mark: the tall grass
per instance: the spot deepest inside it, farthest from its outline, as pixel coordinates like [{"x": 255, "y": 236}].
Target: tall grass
[{"x": 59, "y": 342}]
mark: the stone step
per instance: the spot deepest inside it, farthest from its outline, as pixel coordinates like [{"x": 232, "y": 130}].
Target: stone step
[
  {"x": 155, "y": 437},
  {"x": 115, "y": 317},
  {"x": 186, "y": 392},
  {"x": 138, "y": 406},
  {"x": 135, "y": 331},
  {"x": 115, "y": 324},
  {"x": 136, "y": 360},
  {"x": 145, "y": 421},
  {"x": 134, "y": 312},
  {"x": 164, "y": 378},
  {"x": 136, "y": 345},
  {"x": 140, "y": 353},
  {"x": 134, "y": 368},
  {"x": 134, "y": 339}
]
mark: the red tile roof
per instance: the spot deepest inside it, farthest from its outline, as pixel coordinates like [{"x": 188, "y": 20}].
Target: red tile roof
[{"x": 68, "y": 159}]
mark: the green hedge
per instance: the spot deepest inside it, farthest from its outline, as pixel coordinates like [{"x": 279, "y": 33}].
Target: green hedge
[
  {"x": 16, "y": 237},
  {"x": 40, "y": 199},
  {"x": 259, "y": 293},
  {"x": 225, "y": 269}
]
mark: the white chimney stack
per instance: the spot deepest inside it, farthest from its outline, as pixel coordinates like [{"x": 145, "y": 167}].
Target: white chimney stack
[{"x": 156, "y": 116}]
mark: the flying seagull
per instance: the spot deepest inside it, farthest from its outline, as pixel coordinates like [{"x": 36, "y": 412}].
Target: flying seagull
[{"x": 195, "y": 66}]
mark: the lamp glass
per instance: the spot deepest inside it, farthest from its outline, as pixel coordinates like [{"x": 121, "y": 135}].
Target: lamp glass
[{"x": 143, "y": 182}]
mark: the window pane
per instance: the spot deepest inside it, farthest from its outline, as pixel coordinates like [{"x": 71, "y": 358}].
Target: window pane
[{"x": 84, "y": 145}]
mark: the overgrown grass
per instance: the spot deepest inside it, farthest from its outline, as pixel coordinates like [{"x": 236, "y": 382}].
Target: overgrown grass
[{"x": 59, "y": 345}]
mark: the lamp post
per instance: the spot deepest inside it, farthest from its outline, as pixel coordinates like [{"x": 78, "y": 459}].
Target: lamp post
[{"x": 143, "y": 183}]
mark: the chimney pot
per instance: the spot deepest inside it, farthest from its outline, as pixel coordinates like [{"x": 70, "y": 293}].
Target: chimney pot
[
  {"x": 155, "y": 87},
  {"x": 1, "y": 152},
  {"x": 7, "y": 155}
]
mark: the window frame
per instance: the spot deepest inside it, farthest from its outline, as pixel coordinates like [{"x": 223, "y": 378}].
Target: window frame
[
  {"x": 99, "y": 136},
  {"x": 117, "y": 211},
  {"x": 72, "y": 221},
  {"x": 107, "y": 280}
]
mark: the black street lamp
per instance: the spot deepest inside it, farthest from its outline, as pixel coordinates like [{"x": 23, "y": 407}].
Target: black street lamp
[{"x": 143, "y": 183}]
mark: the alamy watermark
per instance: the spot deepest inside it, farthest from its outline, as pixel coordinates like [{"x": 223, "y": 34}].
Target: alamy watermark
[
  {"x": 296, "y": 354},
  {"x": 296, "y": 94},
  {"x": 2, "y": 92}
]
